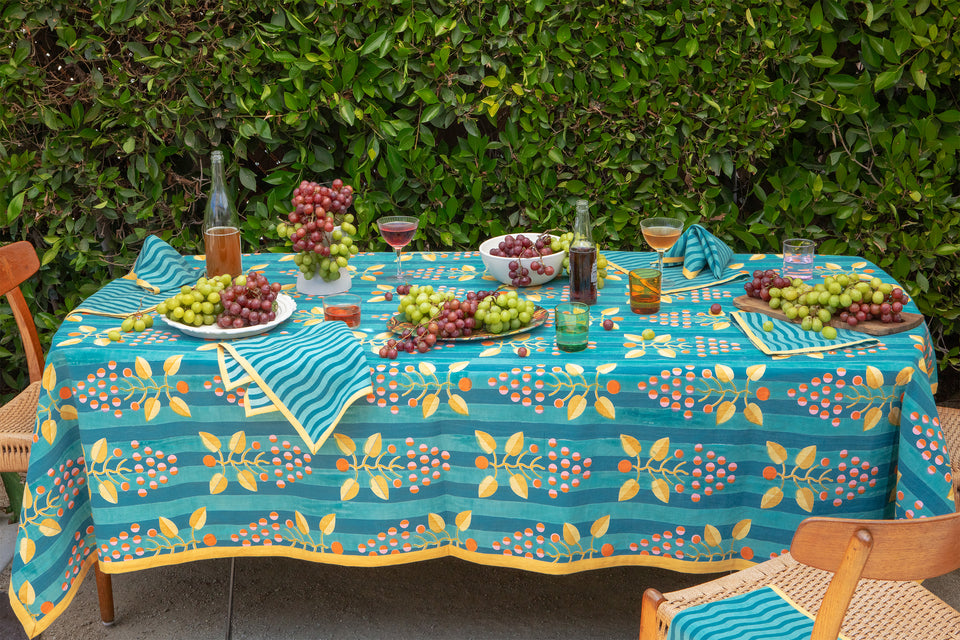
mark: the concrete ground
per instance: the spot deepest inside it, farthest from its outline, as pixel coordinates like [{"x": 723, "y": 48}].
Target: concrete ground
[{"x": 279, "y": 598}]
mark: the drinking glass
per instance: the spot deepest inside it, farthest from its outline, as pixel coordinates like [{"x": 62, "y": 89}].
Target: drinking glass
[
  {"x": 661, "y": 234},
  {"x": 645, "y": 291},
  {"x": 572, "y": 320},
  {"x": 398, "y": 232},
  {"x": 798, "y": 258},
  {"x": 344, "y": 307}
]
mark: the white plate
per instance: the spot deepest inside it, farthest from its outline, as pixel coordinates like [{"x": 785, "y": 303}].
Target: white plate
[{"x": 285, "y": 308}]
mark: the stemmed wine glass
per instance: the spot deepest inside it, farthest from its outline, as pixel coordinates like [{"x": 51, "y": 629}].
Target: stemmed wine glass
[
  {"x": 661, "y": 234},
  {"x": 398, "y": 232}
]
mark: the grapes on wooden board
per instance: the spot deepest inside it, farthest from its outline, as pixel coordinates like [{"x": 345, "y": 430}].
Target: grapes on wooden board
[
  {"x": 849, "y": 296},
  {"x": 320, "y": 229},
  {"x": 440, "y": 315}
]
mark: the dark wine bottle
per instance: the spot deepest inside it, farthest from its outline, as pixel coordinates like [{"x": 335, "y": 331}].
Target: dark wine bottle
[{"x": 583, "y": 258}]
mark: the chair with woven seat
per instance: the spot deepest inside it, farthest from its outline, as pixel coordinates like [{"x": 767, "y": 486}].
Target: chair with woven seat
[
  {"x": 857, "y": 575},
  {"x": 18, "y": 262},
  {"x": 950, "y": 426}
]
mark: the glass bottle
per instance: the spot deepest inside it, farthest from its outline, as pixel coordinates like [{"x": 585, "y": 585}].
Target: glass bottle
[
  {"x": 221, "y": 226},
  {"x": 583, "y": 258}
]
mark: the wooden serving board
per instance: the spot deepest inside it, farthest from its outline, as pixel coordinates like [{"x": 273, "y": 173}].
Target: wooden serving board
[{"x": 872, "y": 327}]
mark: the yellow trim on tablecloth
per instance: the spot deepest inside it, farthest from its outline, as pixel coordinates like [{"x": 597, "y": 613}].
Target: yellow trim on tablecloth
[{"x": 33, "y": 627}]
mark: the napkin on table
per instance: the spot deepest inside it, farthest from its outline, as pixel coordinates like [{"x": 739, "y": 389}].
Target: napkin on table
[
  {"x": 158, "y": 273},
  {"x": 787, "y": 338},
  {"x": 310, "y": 376},
  {"x": 698, "y": 248},
  {"x": 764, "y": 613}
]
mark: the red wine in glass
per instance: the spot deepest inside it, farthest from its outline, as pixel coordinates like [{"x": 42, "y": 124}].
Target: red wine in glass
[
  {"x": 398, "y": 234},
  {"x": 398, "y": 231}
]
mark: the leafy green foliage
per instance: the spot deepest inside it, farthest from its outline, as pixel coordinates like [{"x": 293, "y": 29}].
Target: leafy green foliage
[{"x": 830, "y": 119}]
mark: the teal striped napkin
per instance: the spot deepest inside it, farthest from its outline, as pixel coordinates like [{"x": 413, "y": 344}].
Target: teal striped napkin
[
  {"x": 310, "y": 376},
  {"x": 674, "y": 280},
  {"x": 787, "y": 338},
  {"x": 698, "y": 248},
  {"x": 764, "y": 614},
  {"x": 158, "y": 273},
  {"x": 159, "y": 267}
]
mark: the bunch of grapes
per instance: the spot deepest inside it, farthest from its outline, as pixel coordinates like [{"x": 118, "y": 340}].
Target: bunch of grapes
[
  {"x": 849, "y": 296},
  {"x": 249, "y": 301},
  {"x": 441, "y": 315},
  {"x": 562, "y": 243},
  {"x": 520, "y": 246},
  {"x": 196, "y": 305},
  {"x": 320, "y": 228}
]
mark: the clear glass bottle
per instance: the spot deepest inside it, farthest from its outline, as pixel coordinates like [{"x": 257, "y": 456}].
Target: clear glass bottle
[
  {"x": 221, "y": 225},
  {"x": 583, "y": 258}
]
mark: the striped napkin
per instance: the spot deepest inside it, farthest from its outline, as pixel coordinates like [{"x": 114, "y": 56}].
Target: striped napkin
[
  {"x": 698, "y": 248},
  {"x": 310, "y": 376},
  {"x": 764, "y": 614},
  {"x": 158, "y": 273},
  {"x": 674, "y": 280},
  {"x": 787, "y": 338}
]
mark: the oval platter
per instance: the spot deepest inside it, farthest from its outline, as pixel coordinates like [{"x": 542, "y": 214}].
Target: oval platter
[{"x": 540, "y": 315}]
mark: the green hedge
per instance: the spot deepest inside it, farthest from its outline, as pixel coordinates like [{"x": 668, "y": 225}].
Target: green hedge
[{"x": 831, "y": 119}]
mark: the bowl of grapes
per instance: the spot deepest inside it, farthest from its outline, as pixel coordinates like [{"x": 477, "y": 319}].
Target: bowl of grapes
[{"x": 523, "y": 259}]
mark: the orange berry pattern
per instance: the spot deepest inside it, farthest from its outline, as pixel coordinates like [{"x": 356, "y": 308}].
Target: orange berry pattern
[{"x": 686, "y": 448}]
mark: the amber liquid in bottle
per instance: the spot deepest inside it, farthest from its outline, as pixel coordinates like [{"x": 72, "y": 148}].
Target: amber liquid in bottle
[
  {"x": 221, "y": 226},
  {"x": 583, "y": 258},
  {"x": 583, "y": 274}
]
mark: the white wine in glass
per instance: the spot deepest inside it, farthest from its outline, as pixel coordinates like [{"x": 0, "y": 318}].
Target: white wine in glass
[{"x": 661, "y": 234}]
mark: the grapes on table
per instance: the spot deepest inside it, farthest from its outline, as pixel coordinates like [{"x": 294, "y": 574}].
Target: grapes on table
[
  {"x": 850, "y": 297},
  {"x": 136, "y": 322},
  {"x": 320, "y": 229},
  {"x": 440, "y": 315}
]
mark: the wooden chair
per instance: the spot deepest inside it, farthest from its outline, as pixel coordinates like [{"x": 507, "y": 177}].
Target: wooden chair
[
  {"x": 950, "y": 426},
  {"x": 854, "y": 573},
  {"x": 18, "y": 262}
]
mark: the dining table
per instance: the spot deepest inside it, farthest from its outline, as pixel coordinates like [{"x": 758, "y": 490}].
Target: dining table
[{"x": 674, "y": 440}]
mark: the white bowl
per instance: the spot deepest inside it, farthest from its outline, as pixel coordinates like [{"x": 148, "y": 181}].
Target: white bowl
[{"x": 499, "y": 266}]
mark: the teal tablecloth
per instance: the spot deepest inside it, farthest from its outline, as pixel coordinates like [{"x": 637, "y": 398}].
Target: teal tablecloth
[{"x": 693, "y": 451}]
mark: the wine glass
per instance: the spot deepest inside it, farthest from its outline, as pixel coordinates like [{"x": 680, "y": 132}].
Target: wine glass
[
  {"x": 398, "y": 232},
  {"x": 661, "y": 234}
]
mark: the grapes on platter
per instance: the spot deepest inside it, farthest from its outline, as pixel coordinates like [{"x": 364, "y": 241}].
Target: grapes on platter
[
  {"x": 196, "y": 305},
  {"x": 850, "y": 297},
  {"x": 249, "y": 301},
  {"x": 440, "y": 315},
  {"x": 320, "y": 229}
]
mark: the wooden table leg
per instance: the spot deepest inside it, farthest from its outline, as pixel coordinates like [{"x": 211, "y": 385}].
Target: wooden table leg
[{"x": 104, "y": 595}]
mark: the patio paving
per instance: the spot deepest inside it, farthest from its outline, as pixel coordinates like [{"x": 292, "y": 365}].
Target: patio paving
[{"x": 445, "y": 598}]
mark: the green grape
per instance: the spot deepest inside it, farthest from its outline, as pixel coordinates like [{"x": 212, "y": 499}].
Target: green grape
[
  {"x": 127, "y": 324},
  {"x": 114, "y": 335}
]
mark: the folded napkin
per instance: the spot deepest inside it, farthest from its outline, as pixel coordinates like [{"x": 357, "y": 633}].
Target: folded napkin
[
  {"x": 764, "y": 614},
  {"x": 674, "y": 280},
  {"x": 158, "y": 273},
  {"x": 310, "y": 376},
  {"x": 787, "y": 338},
  {"x": 698, "y": 248}
]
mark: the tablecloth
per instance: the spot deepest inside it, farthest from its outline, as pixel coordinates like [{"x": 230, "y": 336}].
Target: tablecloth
[{"x": 691, "y": 451}]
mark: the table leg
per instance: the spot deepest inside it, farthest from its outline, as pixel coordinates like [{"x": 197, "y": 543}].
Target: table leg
[{"x": 104, "y": 595}]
